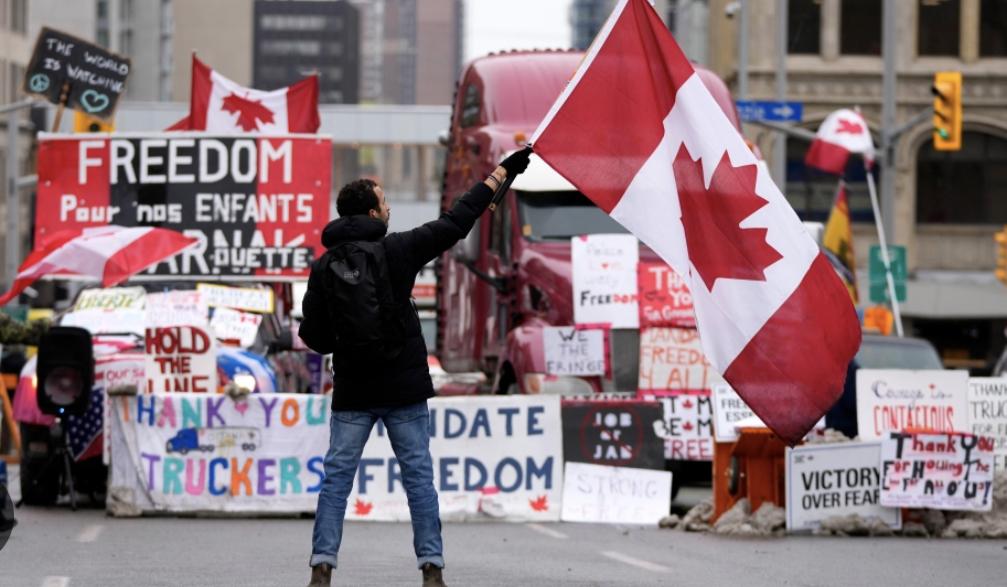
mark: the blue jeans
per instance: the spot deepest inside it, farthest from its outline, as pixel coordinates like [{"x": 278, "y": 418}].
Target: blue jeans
[{"x": 408, "y": 431}]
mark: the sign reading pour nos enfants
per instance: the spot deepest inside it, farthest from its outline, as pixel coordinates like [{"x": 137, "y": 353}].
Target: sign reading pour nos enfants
[
  {"x": 79, "y": 74},
  {"x": 256, "y": 204}
]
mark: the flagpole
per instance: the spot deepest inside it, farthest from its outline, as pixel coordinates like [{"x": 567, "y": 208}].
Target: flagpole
[{"x": 884, "y": 250}]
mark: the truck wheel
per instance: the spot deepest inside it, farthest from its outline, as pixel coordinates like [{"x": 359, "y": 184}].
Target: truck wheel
[{"x": 39, "y": 483}]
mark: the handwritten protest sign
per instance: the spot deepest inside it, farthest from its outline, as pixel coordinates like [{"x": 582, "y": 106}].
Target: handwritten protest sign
[
  {"x": 687, "y": 428},
  {"x": 728, "y": 410},
  {"x": 672, "y": 359},
  {"x": 115, "y": 309},
  {"x": 619, "y": 433},
  {"x": 604, "y": 279},
  {"x": 248, "y": 299},
  {"x": 81, "y": 75},
  {"x": 839, "y": 479},
  {"x": 180, "y": 359},
  {"x": 665, "y": 299},
  {"x": 988, "y": 414},
  {"x": 176, "y": 308},
  {"x": 950, "y": 471},
  {"x": 894, "y": 400},
  {"x": 114, "y": 373},
  {"x": 615, "y": 495},
  {"x": 228, "y": 324},
  {"x": 256, "y": 204},
  {"x": 569, "y": 351}
]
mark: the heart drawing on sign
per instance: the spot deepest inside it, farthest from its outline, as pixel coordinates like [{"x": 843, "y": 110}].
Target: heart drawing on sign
[{"x": 93, "y": 101}]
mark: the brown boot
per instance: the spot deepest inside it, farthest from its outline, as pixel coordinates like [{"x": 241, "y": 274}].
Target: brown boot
[
  {"x": 432, "y": 576},
  {"x": 321, "y": 575}
]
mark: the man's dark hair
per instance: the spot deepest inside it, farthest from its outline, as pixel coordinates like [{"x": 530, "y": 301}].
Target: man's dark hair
[{"x": 357, "y": 197}]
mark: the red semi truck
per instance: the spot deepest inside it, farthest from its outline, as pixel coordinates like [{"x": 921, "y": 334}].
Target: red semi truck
[{"x": 512, "y": 276}]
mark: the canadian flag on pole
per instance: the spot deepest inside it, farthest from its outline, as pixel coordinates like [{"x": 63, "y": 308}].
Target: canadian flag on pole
[
  {"x": 638, "y": 133},
  {"x": 217, "y": 104},
  {"x": 843, "y": 132}
]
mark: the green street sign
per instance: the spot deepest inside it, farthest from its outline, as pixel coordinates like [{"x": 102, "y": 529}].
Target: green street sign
[{"x": 879, "y": 283}]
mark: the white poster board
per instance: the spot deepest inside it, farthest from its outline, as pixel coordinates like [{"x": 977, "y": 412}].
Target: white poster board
[
  {"x": 940, "y": 471},
  {"x": 180, "y": 359},
  {"x": 826, "y": 480},
  {"x": 988, "y": 414},
  {"x": 259, "y": 300},
  {"x": 615, "y": 495},
  {"x": 228, "y": 324},
  {"x": 176, "y": 308},
  {"x": 891, "y": 400},
  {"x": 687, "y": 428},
  {"x": 115, "y": 309},
  {"x": 604, "y": 279},
  {"x": 728, "y": 410},
  {"x": 569, "y": 351},
  {"x": 672, "y": 359}
]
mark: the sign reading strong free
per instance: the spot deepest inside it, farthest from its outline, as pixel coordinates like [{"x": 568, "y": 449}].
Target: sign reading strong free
[{"x": 257, "y": 204}]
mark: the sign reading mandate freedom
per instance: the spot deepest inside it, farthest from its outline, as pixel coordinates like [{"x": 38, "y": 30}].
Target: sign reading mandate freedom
[{"x": 257, "y": 204}]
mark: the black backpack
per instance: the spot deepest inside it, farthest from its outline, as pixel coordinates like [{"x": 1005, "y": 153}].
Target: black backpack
[{"x": 363, "y": 314}]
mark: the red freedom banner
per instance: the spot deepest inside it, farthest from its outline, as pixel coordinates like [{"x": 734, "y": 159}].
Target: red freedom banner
[
  {"x": 664, "y": 297},
  {"x": 257, "y": 204}
]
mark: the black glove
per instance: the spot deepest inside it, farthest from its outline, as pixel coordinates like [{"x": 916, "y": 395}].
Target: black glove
[{"x": 517, "y": 162}]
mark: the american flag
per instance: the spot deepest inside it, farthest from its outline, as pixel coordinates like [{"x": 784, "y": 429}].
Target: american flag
[{"x": 85, "y": 431}]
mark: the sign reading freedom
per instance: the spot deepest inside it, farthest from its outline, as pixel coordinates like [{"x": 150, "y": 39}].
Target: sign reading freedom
[{"x": 257, "y": 204}]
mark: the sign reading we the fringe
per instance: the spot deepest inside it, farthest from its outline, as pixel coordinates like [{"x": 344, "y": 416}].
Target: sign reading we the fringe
[
  {"x": 949, "y": 471},
  {"x": 569, "y": 351}
]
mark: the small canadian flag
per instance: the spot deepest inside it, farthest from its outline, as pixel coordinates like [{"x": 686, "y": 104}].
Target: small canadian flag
[
  {"x": 218, "y": 104},
  {"x": 843, "y": 132}
]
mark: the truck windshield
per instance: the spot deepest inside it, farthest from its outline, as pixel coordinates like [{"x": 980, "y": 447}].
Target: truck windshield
[{"x": 561, "y": 215}]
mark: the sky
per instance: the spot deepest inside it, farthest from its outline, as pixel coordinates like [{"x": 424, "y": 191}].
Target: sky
[{"x": 494, "y": 25}]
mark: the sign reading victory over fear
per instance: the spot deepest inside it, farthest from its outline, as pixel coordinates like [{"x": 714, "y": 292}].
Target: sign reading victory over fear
[
  {"x": 92, "y": 77},
  {"x": 257, "y": 204}
]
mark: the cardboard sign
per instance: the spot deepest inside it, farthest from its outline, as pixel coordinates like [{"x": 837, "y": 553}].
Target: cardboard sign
[
  {"x": 115, "y": 372},
  {"x": 228, "y": 324},
  {"x": 176, "y": 308},
  {"x": 258, "y": 300},
  {"x": 988, "y": 414},
  {"x": 728, "y": 410},
  {"x": 92, "y": 77},
  {"x": 180, "y": 359},
  {"x": 672, "y": 359},
  {"x": 952, "y": 471},
  {"x": 616, "y": 433},
  {"x": 665, "y": 299},
  {"x": 494, "y": 457},
  {"x": 191, "y": 453},
  {"x": 687, "y": 428},
  {"x": 569, "y": 351},
  {"x": 256, "y": 204},
  {"x": 827, "y": 480},
  {"x": 615, "y": 495},
  {"x": 116, "y": 309},
  {"x": 604, "y": 279},
  {"x": 895, "y": 400}
]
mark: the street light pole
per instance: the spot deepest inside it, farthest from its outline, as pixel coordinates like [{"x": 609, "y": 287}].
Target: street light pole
[
  {"x": 888, "y": 138},
  {"x": 780, "y": 145}
]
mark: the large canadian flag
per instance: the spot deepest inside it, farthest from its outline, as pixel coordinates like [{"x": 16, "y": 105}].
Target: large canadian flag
[
  {"x": 843, "y": 132},
  {"x": 638, "y": 133},
  {"x": 218, "y": 104}
]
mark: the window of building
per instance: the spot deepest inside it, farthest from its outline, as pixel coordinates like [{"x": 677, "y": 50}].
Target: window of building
[
  {"x": 293, "y": 47},
  {"x": 993, "y": 28},
  {"x": 333, "y": 74},
  {"x": 963, "y": 187},
  {"x": 938, "y": 32},
  {"x": 14, "y": 85},
  {"x": 292, "y": 22},
  {"x": 860, "y": 27},
  {"x": 19, "y": 16},
  {"x": 334, "y": 48},
  {"x": 804, "y": 26},
  {"x": 812, "y": 192}
]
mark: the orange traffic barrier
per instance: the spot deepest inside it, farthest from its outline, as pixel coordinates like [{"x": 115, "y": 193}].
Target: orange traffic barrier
[{"x": 752, "y": 467}]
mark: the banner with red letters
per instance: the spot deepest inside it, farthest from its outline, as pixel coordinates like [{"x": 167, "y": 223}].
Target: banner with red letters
[
  {"x": 256, "y": 203},
  {"x": 665, "y": 299}
]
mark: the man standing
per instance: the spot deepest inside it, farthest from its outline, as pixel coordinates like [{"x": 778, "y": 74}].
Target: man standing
[{"x": 358, "y": 308}]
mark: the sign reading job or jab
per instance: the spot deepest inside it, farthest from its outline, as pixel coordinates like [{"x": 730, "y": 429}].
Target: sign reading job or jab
[
  {"x": 257, "y": 204},
  {"x": 92, "y": 77},
  {"x": 494, "y": 457}
]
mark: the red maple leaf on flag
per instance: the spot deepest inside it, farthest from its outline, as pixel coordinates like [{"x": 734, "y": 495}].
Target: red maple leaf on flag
[
  {"x": 687, "y": 426},
  {"x": 541, "y": 504},
  {"x": 362, "y": 508},
  {"x": 718, "y": 246},
  {"x": 250, "y": 112},
  {"x": 849, "y": 126},
  {"x": 687, "y": 403}
]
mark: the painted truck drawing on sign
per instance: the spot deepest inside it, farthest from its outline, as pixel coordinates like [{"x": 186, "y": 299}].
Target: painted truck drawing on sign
[{"x": 214, "y": 439}]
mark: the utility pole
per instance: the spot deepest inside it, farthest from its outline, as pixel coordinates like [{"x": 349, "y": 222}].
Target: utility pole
[
  {"x": 780, "y": 145},
  {"x": 888, "y": 137}
]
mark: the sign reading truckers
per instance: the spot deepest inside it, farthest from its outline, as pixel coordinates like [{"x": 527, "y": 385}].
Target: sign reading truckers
[
  {"x": 257, "y": 204},
  {"x": 68, "y": 71}
]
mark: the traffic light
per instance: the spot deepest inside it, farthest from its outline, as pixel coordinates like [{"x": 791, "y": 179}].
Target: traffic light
[
  {"x": 85, "y": 123},
  {"x": 1001, "y": 270},
  {"x": 947, "y": 91}
]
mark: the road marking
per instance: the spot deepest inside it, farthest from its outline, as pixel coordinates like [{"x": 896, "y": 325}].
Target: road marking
[
  {"x": 547, "y": 531},
  {"x": 90, "y": 533},
  {"x": 642, "y": 564},
  {"x": 55, "y": 581}
]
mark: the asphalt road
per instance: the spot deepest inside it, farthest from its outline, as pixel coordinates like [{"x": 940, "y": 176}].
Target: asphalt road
[{"x": 55, "y": 547}]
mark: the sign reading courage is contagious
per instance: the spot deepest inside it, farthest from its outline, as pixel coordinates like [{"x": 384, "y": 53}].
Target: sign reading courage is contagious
[
  {"x": 93, "y": 77},
  {"x": 257, "y": 204}
]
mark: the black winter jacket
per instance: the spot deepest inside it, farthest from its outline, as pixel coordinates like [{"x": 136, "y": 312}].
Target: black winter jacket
[{"x": 405, "y": 379}]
